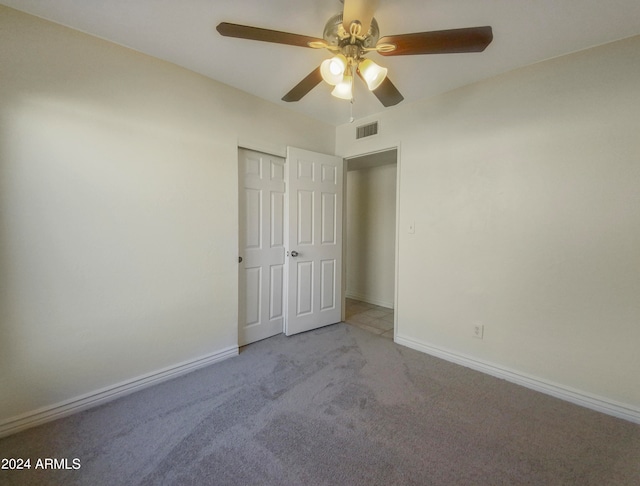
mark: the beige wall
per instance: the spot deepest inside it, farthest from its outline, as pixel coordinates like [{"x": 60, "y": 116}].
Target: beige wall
[
  {"x": 118, "y": 211},
  {"x": 525, "y": 194},
  {"x": 371, "y": 234}
]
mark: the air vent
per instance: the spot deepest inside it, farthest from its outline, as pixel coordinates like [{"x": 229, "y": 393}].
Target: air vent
[{"x": 366, "y": 130}]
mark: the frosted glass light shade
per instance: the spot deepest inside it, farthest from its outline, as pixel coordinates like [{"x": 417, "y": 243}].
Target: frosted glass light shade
[
  {"x": 372, "y": 73},
  {"x": 332, "y": 69},
  {"x": 344, "y": 89}
]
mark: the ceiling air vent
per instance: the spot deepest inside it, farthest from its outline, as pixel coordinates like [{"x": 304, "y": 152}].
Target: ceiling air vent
[{"x": 366, "y": 130}]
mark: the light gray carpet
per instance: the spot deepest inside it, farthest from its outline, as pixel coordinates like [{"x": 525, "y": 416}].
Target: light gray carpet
[{"x": 337, "y": 406}]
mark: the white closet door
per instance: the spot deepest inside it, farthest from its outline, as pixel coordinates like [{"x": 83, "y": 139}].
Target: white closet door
[
  {"x": 314, "y": 194},
  {"x": 262, "y": 246}
]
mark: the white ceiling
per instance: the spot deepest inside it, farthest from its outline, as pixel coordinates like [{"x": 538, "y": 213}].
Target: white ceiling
[{"x": 183, "y": 32}]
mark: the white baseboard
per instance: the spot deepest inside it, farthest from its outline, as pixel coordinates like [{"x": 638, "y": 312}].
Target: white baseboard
[
  {"x": 98, "y": 397},
  {"x": 600, "y": 404},
  {"x": 368, "y": 299}
]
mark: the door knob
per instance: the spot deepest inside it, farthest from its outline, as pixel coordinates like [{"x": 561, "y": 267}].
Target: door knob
[{"x": 294, "y": 253}]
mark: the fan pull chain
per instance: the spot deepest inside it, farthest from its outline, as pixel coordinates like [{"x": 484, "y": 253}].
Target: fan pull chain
[{"x": 353, "y": 72}]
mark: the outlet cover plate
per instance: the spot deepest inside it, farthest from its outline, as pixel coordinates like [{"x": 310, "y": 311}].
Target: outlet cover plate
[{"x": 478, "y": 331}]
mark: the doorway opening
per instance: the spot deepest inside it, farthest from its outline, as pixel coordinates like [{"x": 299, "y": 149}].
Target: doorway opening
[{"x": 370, "y": 241}]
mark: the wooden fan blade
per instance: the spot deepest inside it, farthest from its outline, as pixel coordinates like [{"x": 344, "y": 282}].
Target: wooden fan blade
[
  {"x": 304, "y": 86},
  {"x": 472, "y": 39},
  {"x": 387, "y": 93},
  {"x": 264, "y": 35},
  {"x": 360, "y": 10}
]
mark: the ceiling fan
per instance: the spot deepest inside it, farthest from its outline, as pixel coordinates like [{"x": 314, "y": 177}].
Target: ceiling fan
[{"x": 350, "y": 36}]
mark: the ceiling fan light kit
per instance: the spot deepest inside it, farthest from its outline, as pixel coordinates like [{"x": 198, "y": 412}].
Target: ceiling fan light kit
[
  {"x": 344, "y": 89},
  {"x": 352, "y": 45},
  {"x": 332, "y": 70},
  {"x": 352, "y": 34},
  {"x": 372, "y": 73}
]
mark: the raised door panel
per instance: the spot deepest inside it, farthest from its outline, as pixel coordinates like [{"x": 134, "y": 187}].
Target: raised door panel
[
  {"x": 315, "y": 240},
  {"x": 262, "y": 230}
]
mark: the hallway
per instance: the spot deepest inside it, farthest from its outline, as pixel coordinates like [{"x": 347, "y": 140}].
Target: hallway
[{"x": 370, "y": 317}]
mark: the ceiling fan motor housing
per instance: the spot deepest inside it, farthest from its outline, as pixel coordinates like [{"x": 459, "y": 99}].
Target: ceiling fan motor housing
[{"x": 335, "y": 35}]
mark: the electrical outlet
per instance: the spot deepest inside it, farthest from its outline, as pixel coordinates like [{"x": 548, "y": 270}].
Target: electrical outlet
[{"x": 478, "y": 331}]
